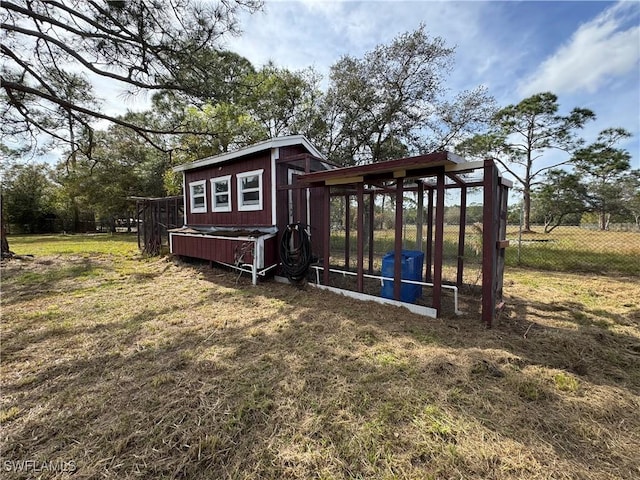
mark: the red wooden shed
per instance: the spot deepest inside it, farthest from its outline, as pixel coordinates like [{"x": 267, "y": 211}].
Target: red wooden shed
[{"x": 237, "y": 204}]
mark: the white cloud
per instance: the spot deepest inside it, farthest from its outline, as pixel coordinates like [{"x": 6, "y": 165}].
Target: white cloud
[{"x": 597, "y": 53}]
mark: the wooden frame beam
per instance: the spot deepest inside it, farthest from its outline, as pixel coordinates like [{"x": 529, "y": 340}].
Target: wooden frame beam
[
  {"x": 397, "y": 264},
  {"x": 326, "y": 214},
  {"x": 438, "y": 244},
  {"x": 347, "y": 231},
  {"x": 429, "y": 250},
  {"x": 461, "y": 236},
  {"x": 489, "y": 239},
  {"x": 360, "y": 239}
]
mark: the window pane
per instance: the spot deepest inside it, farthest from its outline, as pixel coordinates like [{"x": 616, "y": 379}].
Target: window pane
[
  {"x": 250, "y": 182},
  {"x": 251, "y": 198},
  {"x": 198, "y": 202},
  {"x": 222, "y": 200},
  {"x": 222, "y": 187},
  {"x": 197, "y": 189}
]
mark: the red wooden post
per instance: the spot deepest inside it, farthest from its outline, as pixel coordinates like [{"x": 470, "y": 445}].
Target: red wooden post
[
  {"x": 371, "y": 220},
  {"x": 326, "y": 221},
  {"x": 438, "y": 244},
  {"x": 397, "y": 255},
  {"x": 489, "y": 243},
  {"x": 360, "y": 238},
  {"x": 347, "y": 231},
  {"x": 429, "y": 249}
]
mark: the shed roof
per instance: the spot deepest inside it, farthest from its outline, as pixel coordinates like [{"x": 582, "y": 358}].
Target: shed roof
[
  {"x": 398, "y": 168},
  {"x": 287, "y": 141}
]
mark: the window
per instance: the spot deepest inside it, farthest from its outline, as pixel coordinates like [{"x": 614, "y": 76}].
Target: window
[
  {"x": 250, "y": 190},
  {"x": 221, "y": 194},
  {"x": 198, "y": 196}
]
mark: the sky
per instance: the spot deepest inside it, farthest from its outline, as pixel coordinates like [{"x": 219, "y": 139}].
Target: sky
[{"x": 587, "y": 53}]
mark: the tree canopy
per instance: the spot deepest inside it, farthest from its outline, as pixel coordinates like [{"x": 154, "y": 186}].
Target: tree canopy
[
  {"x": 143, "y": 45},
  {"x": 522, "y": 134},
  {"x": 391, "y": 102},
  {"x": 604, "y": 169}
]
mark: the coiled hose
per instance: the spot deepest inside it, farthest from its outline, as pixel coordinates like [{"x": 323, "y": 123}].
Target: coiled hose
[{"x": 295, "y": 252}]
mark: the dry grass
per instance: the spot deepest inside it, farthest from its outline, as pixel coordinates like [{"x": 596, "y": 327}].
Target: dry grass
[{"x": 152, "y": 368}]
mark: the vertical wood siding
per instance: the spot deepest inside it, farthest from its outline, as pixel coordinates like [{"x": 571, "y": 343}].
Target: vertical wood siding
[
  {"x": 262, "y": 217},
  {"x": 220, "y": 249}
]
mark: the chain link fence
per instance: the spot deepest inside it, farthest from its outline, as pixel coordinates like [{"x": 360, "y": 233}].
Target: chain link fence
[{"x": 575, "y": 249}]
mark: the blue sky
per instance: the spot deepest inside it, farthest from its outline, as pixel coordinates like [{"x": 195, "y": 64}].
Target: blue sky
[{"x": 588, "y": 53}]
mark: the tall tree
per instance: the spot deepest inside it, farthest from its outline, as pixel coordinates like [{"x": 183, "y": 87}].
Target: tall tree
[
  {"x": 143, "y": 45},
  {"x": 631, "y": 195},
  {"x": 282, "y": 101},
  {"x": 522, "y": 134},
  {"x": 559, "y": 196},
  {"x": 392, "y": 102},
  {"x": 27, "y": 196},
  {"x": 604, "y": 168},
  {"x": 228, "y": 126},
  {"x": 376, "y": 106}
]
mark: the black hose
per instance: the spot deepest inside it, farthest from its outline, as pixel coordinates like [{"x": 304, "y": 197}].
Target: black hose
[{"x": 295, "y": 252}]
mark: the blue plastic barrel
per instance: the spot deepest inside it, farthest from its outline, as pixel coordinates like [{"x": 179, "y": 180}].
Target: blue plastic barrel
[{"x": 411, "y": 269}]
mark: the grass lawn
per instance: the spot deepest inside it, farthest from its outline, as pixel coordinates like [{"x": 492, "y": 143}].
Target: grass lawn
[
  {"x": 133, "y": 367},
  {"x": 565, "y": 249}
]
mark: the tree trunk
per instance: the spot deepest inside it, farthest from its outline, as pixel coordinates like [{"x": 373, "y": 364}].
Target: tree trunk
[
  {"x": 526, "y": 214},
  {"x": 602, "y": 220},
  {"x": 3, "y": 232}
]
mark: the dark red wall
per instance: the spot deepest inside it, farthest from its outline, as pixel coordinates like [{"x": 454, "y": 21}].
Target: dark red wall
[
  {"x": 219, "y": 249},
  {"x": 223, "y": 251},
  {"x": 253, "y": 162}
]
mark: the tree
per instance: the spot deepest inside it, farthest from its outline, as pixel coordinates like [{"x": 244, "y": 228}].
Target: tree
[
  {"x": 521, "y": 135},
  {"x": 604, "y": 169},
  {"x": 560, "y": 195},
  {"x": 631, "y": 195},
  {"x": 27, "y": 196},
  {"x": 229, "y": 126},
  {"x": 143, "y": 45},
  {"x": 376, "y": 107},
  {"x": 284, "y": 102}
]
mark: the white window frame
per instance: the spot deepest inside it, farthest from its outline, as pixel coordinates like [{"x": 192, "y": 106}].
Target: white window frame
[
  {"x": 214, "y": 206},
  {"x": 192, "y": 197},
  {"x": 248, "y": 208}
]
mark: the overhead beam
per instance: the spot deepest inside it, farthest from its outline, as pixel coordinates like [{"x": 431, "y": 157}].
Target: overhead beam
[{"x": 343, "y": 180}]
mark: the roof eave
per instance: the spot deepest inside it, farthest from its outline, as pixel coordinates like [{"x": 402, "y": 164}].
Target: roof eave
[{"x": 255, "y": 148}]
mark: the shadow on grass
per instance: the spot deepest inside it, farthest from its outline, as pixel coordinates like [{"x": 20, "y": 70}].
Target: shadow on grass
[{"x": 327, "y": 388}]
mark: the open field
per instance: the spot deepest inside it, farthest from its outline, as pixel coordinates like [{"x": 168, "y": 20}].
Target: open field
[
  {"x": 565, "y": 249},
  {"x": 134, "y": 367}
]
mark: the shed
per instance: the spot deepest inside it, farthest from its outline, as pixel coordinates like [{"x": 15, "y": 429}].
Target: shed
[{"x": 237, "y": 204}]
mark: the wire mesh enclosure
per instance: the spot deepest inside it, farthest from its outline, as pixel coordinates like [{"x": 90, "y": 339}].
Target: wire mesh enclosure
[
  {"x": 434, "y": 222},
  {"x": 155, "y": 217}
]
